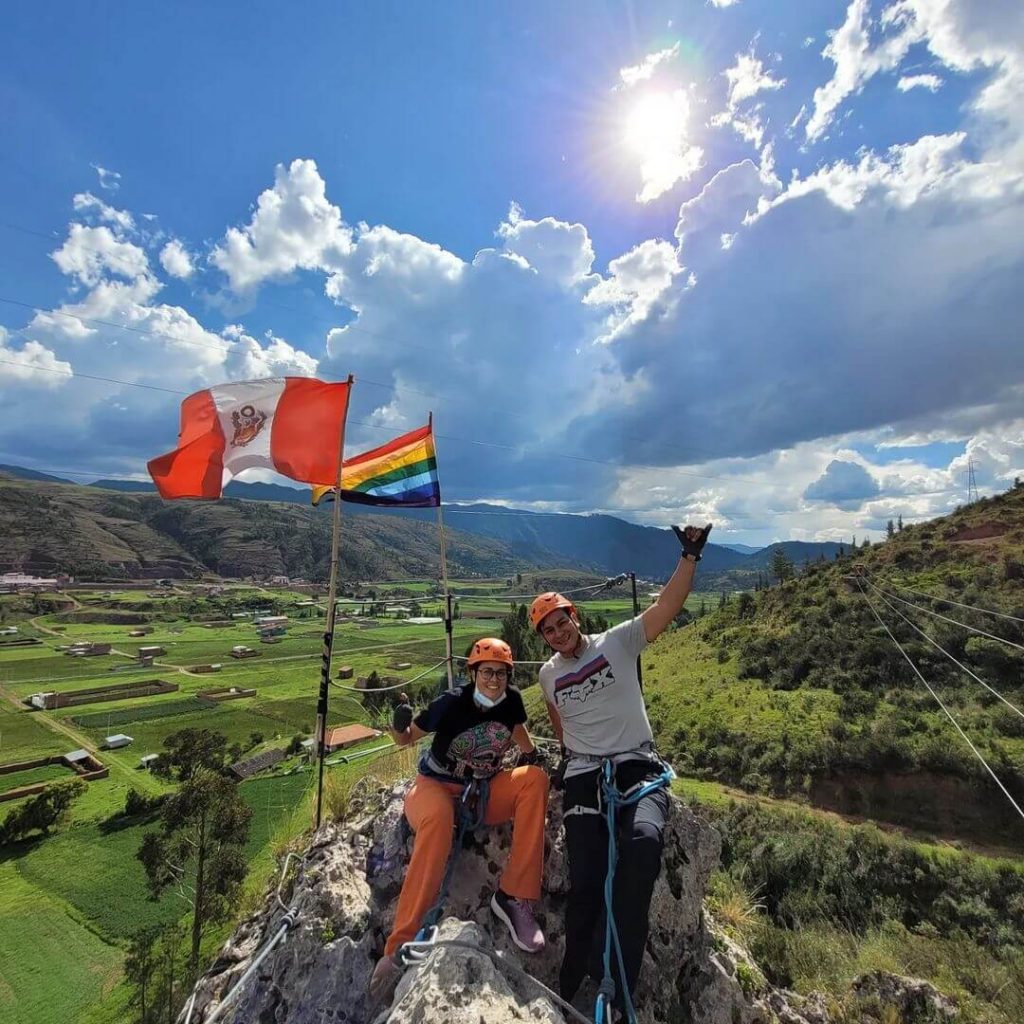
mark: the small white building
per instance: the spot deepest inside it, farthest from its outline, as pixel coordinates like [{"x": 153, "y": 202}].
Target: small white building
[
  {"x": 146, "y": 760},
  {"x": 8, "y": 631},
  {"x": 117, "y": 740}
]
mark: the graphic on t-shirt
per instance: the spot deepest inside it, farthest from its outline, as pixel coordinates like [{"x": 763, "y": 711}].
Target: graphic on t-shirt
[
  {"x": 478, "y": 751},
  {"x": 588, "y": 679}
]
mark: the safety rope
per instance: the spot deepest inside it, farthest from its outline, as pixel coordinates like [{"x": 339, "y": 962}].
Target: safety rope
[
  {"x": 459, "y": 657},
  {"x": 613, "y": 800},
  {"x": 611, "y": 581},
  {"x": 953, "y": 659},
  {"x": 397, "y": 686},
  {"x": 938, "y": 700}
]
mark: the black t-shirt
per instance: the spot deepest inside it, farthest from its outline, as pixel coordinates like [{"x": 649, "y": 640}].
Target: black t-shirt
[{"x": 469, "y": 741}]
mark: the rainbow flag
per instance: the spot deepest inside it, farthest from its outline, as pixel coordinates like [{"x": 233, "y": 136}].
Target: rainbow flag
[{"x": 401, "y": 473}]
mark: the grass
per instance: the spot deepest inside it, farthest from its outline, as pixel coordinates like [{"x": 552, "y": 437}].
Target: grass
[
  {"x": 93, "y": 870},
  {"x": 29, "y": 777},
  {"x": 23, "y": 738},
  {"x": 54, "y": 965}
]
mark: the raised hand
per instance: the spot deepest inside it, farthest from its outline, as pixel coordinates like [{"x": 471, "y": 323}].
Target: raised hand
[{"x": 693, "y": 539}]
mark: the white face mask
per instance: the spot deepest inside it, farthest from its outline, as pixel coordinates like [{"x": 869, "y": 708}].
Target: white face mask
[{"x": 484, "y": 701}]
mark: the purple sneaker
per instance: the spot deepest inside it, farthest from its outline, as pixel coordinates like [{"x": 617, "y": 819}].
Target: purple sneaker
[{"x": 522, "y": 925}]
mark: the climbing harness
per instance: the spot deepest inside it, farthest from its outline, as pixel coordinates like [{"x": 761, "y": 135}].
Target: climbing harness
[
  {"x": 613, "y": 800},
  {"x": 470, "y": 816}
]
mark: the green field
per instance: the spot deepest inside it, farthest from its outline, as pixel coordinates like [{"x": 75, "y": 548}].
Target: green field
[
  {"x": 82, "y": 920},
  {"x": 30, "y": 776},
  {"x": 49, "y": 958}
]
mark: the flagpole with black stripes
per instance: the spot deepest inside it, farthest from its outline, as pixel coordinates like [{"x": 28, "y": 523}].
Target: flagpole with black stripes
[
  {"x": 328, "y": 648},
  {"x": 449, "y": 659}
]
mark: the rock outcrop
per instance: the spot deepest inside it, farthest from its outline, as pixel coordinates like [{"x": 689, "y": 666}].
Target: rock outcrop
[{"x": 343, "y": 898}]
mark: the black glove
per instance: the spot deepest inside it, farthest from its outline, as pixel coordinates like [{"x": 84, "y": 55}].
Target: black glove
[
  {"x": 695, "y": 546},
  {"x": 401, "y": 718}
]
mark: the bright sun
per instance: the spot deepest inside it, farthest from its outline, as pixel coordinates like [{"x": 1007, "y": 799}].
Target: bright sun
[{"x": 656, "y": 123}]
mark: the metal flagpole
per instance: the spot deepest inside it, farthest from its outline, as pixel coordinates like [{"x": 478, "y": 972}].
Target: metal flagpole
[
  {"x": 449, "y": 659},
  {"x": 325, "y": 666}
]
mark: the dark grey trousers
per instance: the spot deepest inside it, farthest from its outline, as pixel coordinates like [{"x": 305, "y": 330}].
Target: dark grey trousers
[{"x": 640, "y": 830}]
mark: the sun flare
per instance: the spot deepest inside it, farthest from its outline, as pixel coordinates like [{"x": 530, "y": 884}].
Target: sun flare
[{"x": 656, "y": 123}]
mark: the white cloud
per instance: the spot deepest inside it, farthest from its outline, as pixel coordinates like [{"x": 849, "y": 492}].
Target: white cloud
[
  {"x": 747, "y": 77},
  {"x": 109, "y": 180},
  {"x": 86, "y": 202},
  {"x": 930, "y": 82},
  {"x": 88, "y": 253},
  {"x": 636, "y": 281},
  {"x": 553, "y": 248},
  {"x": 294, "y": 227},
  {"x": 32, "y": 364},
  {"x": 635, "y": 73},
  {"x": 902, "y": 176},
  {"x": 857, "y": 60},
  {"x": 723, "y": 3},
  {"x": 175, "y": 259},
  {"x": 658, "y": 130}
]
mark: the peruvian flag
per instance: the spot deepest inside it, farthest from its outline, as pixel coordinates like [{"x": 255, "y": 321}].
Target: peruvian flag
[{"x": 294, "y": 425}]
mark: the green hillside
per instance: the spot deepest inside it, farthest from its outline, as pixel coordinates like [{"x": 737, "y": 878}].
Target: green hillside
[
  {"x": 48, "y": 527},
  {"x": 797, "y": 689}
]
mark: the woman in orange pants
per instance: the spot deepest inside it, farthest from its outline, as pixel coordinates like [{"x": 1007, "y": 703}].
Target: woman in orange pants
[{"x": 473, "y": 727}]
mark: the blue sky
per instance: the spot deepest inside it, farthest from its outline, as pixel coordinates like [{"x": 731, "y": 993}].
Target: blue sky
[{"x": 679, "y": 259}]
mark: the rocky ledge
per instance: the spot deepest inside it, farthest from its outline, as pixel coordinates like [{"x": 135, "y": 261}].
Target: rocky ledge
[{"x": 342, "y": 896}]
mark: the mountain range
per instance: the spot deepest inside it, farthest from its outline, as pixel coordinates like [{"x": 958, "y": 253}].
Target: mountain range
[{"x": 270, "y": 528}]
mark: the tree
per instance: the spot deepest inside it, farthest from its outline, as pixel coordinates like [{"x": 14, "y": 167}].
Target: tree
[
  {"x": 43, "y": 812},
  {"x": 782, "y": 566},
  {"x": 899, "y": 523},
  {"x": 520, "y": 635},
  {"x": 204, "y": 826},
  {"x": 189, "y": 751},
  {"x": 890, "y": 529},
  {"x": 140, "y": 968}
]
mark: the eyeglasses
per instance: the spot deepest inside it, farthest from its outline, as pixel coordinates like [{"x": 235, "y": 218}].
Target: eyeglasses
[{"x": 499, "y": 675}]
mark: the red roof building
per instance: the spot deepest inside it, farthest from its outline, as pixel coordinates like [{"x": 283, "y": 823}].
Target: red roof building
[{"x": 342, "y": 736}]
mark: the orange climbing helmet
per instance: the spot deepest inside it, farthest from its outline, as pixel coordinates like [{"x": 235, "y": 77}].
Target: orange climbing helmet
[
  {"x": 546, "y": 604},
  {"x": 490, "y": 649}
]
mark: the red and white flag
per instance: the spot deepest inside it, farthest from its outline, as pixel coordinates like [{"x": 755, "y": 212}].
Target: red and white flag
[{"x": 293, "y": 425}]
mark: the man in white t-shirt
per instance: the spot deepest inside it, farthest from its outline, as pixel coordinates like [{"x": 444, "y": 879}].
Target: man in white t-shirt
[{"x": 597, "y": 709}]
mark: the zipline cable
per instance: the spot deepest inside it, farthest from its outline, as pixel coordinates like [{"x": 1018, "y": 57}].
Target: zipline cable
[
  {"x": 938, "y": 700},
  {"x": 959, "y": 604},
  {"x": 935, "y": 643},
  {"x": 946, "y": 618}
]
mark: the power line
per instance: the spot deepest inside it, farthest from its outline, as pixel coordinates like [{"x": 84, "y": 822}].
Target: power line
[
  {"x": 935, "y": 643},
  {"x": 938, "y": 700}
]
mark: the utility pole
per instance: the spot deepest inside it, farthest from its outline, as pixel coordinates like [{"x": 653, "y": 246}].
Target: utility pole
[{"x": 972, "y": 485}]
